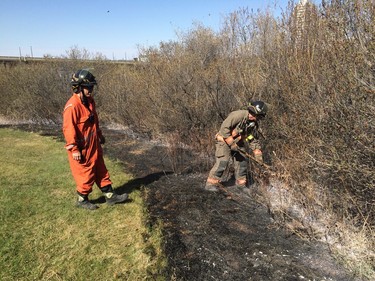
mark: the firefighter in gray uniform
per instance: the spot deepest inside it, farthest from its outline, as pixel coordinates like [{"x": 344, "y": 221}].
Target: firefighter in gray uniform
[{"x": 239, "y": 127}]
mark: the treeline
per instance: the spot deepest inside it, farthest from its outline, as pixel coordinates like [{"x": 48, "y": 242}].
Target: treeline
[{"x": 315, "y": 71}]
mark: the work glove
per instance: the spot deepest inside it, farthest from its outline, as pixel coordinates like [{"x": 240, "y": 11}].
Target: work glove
[
  {"x": 234, "y": 147},
  {"x": 229, "y": 140},
  {"x": 231, "y": 143}
]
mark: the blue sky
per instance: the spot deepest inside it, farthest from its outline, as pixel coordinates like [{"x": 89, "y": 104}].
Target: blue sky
[{"x": 113, "y": 28}]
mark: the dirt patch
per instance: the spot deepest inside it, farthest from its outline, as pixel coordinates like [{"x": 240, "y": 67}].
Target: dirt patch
[{"x": 214, "y": 236}]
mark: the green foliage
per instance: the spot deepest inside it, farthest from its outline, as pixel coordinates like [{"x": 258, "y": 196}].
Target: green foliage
[{"x": 45, "y": 237}]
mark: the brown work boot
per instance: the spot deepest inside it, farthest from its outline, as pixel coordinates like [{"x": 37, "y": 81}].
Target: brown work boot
[
  {"x": 211, "y": 187},
  {"x": 212, "y": 184},
  {"x": 241, "y": 184}
]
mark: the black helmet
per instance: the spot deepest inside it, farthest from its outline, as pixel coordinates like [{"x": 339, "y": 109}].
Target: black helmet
[
  {"x": 84, "y": 78},
  {"x": 257, "y": 108}
]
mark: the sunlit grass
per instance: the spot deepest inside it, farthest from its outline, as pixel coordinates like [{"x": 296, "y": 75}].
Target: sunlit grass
[{"x": 45, "y": 237}]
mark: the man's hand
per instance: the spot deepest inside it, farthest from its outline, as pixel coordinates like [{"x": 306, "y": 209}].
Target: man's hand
[{"x": 77, "y": 156}]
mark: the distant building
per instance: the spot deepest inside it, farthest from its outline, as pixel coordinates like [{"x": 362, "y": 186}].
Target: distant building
[{"x": 302, "y": 21}]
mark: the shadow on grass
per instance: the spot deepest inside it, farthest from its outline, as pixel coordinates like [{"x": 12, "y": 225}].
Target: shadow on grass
[{"x": 134, "y": 184}]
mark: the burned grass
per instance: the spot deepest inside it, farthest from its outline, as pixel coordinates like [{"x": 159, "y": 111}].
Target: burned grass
[
  {"x": 213, "y": 236},
  {"x": 218, "y": 236}
]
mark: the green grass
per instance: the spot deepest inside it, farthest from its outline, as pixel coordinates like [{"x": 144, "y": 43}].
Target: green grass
[{"x": 43, "y": 236}]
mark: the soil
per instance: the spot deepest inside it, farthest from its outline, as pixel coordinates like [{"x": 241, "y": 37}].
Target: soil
[{"x": 225, "y": 235}]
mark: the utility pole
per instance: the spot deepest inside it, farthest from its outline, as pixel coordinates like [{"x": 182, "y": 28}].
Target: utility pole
[{"x": 31, "y": 49}]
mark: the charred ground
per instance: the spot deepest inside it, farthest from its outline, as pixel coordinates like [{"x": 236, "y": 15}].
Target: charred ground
[{"x": 213, "y": 236}]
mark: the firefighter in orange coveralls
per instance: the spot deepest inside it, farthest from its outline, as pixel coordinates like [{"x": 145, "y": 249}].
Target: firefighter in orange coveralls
[
  {"x": 83, "y": 142},
  {"x": 239, "y": 127}
]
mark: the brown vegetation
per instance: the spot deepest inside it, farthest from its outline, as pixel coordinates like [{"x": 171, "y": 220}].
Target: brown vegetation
[{"x": 316, "y": 75}]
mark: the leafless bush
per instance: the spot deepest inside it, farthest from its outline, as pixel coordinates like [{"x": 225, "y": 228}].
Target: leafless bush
[{"x": 28, "y": 93}]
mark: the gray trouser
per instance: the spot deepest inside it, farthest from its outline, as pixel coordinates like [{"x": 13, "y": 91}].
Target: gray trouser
[{"x": 223, "y": 155}]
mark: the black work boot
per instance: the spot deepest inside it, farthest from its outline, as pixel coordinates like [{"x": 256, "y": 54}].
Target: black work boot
[
  {"x": 83, "y": 202},
  {"x": 211, "y": 186},
  {"x": 111, "y": 197},
  {"x": 241, "y": 186}
]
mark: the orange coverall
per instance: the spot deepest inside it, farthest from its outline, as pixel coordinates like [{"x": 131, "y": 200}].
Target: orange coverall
[{"x": 82, "y": 133}]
